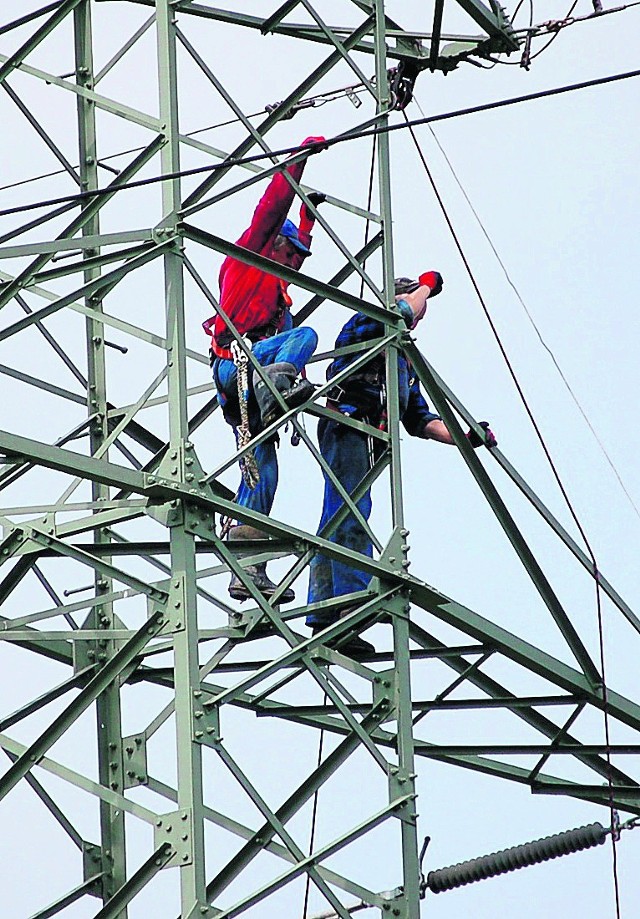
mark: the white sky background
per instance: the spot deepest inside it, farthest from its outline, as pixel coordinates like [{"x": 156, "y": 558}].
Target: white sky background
[{"x": 555, "y": 184}]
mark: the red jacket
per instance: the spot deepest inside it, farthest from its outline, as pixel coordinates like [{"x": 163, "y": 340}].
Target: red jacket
[{"x": 252, "y": 298}]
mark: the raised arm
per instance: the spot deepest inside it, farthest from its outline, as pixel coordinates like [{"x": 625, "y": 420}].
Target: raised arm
[{"x": 274, "y": 205}]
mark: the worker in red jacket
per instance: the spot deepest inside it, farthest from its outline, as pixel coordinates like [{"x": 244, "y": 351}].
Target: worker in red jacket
[{"x": 258, "y": 305}]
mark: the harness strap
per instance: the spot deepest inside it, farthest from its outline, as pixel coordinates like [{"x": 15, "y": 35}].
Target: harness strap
[{"x": 248, "y": 464}]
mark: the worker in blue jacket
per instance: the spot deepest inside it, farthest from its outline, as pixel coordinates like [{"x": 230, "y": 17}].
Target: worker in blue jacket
[{"x": 347, "y": 451}]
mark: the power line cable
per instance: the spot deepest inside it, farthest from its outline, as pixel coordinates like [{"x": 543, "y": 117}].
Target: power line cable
[
  {"x": 329, "y": 142},
  {"x": 563, "y": 491},
  {"x": 314, "y": 819},
  {"x": 316, "y": 101},
  {"x": 553, "y": 27},
  {"x": 533, "y": 322}
]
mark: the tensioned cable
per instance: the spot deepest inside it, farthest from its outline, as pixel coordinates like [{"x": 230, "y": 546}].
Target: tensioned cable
[
  {"x": 113, "y": 156},
  {"x": 561, "y": 24},
  {"x": 314, "y": 818},
  {"x": 596, "y": 573},
  {"x": 315, "y": 148},
  {"x": 532, "y": 320},
  {"x": 555, "y": 27},
  {"x": 316, "y": 101}
]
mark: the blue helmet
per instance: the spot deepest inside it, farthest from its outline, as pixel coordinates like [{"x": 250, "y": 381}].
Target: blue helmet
[{"x": 290, "y": 231}]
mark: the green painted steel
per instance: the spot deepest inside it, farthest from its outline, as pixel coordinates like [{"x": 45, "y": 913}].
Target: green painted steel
[{"x": 118, "y": 515}]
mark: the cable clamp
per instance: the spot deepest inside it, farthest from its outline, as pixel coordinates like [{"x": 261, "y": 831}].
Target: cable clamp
[
  {"x": 615, "y": 825},
  {"x": 401, "y": 83}
]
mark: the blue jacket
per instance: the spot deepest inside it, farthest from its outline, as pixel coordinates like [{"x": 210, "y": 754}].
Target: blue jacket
[{"x": 358, "y": 395}]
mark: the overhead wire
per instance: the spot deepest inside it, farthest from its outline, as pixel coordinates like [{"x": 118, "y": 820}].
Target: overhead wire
[
  {"x": 555, "y": 26},
  {"x": 331, "y": 95},
  {"x": 314, "y": 148},
  {"x": 314, "y": 818},
  {"x": 533, "y": 322},
  {"x": 569, "y": 504},
  {"x": 553, "y": 37},
  {"x": 316, "y": 101}
]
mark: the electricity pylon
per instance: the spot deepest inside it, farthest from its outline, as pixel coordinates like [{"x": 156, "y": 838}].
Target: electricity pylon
[{"x": 112, "y": 480}]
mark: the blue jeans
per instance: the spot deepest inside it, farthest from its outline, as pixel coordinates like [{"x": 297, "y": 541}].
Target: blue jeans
[
  {"x": 293, "y": 347},
  {"x": 347, "y": 454}
]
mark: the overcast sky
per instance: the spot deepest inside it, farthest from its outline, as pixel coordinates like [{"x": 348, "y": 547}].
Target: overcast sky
[{"x": 554, "y": 184}]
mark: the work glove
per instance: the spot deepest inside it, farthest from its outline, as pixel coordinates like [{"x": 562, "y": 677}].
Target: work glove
[
  {"x": 432, "y": 279},
  {"x": 318, "y": 142},
  {"x": 316, "y": 198},
  {"x": 489, "y": 437}
]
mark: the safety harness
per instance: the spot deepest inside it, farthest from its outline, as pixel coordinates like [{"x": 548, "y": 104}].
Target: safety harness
[{"x": 248, "y": 464}]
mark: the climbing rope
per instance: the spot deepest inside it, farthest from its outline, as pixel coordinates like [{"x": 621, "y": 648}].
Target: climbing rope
[{"x": 248, "y": 464}]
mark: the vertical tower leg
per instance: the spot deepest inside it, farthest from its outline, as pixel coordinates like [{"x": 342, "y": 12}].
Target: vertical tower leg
[
  {"x": 108, "y": 707},
  {"x": 183, "y": 569},
  {"x": 402, "y": 780}
]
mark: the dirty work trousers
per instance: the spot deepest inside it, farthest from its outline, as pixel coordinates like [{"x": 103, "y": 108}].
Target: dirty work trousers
[{"x": 347, "y": 454}]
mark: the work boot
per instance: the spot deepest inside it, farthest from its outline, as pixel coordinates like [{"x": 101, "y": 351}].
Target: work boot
[
  {"x": 257, "y": 573},
  {"x": 283, "y": 376}
]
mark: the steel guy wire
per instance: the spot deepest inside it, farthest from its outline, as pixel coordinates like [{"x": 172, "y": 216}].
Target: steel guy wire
[
  {"x": 556, "y": 474},
  {"x": 531, "y": 319}
]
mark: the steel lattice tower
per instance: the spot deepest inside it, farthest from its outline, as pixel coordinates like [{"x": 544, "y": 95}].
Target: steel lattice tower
[{"x": 114, "y": 480}]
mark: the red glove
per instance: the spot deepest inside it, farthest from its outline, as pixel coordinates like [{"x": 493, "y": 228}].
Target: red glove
[
  {"x": 489, "y": 437},
  {"x": 432, "y": 279},
  {"x": 318, "y": 142}
]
